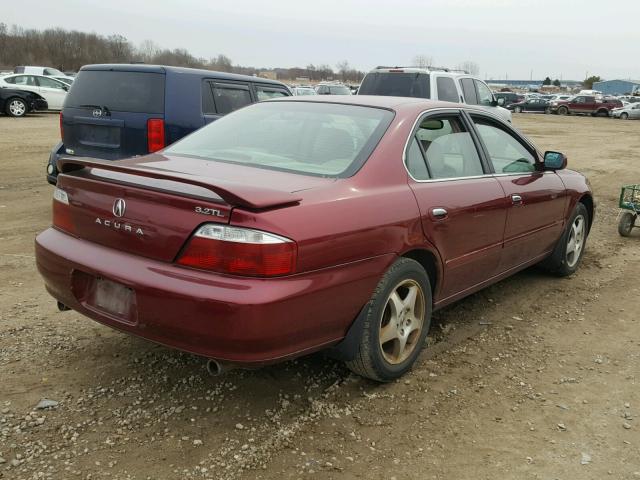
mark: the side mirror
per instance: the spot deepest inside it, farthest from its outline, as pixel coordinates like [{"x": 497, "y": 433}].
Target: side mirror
[
  {"x": 500, "y": 102},
  {"x": 554, "y": 161},
  {"x": 495, "y": 103}
]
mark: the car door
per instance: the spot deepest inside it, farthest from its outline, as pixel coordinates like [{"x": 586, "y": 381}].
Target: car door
[
  {"x": 634, "y": 112},
  {"x": 463, "y": 209},
  {"x": 537, "y": 199},
  {"x": 54, "y": 91}
]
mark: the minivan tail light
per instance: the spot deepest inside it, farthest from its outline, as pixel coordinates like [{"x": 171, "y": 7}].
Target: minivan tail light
[
  {"x": 61, "y": 211},
  {"x": 61, "y": 127},
  {"x": 239, "y": 251},
  {"x": 155, "y": 134}
]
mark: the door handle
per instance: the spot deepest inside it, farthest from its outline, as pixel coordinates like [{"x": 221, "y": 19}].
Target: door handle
[
  {"x": 516, "y": 199},
  {"x": 439, "y": 212}
]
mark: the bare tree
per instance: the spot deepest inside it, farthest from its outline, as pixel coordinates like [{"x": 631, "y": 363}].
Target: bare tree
[
  {"x": 343, "y": 68},
  {"x": 470, "y": 67},
  {"x": 422, "y": 61},
  {"x": 148, "y": 50}
]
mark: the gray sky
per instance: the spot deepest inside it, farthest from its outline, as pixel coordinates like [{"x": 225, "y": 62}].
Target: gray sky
[{"x": 565, "y": 38}]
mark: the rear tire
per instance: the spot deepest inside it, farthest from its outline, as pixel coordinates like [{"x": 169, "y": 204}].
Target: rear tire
[
  {"x": 568, "y": 252},
  {"x": 16, "y": 107},
  {"x": 396, "y": 323},
  {"x": 563, "y": 111},
  {"x": 624, "y": 116},
  {"x": 603, "y": 113},
  {"x": 626, "y": 223}
]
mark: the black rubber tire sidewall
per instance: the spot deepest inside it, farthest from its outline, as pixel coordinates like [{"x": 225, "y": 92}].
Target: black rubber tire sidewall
[
  {"x": 370, "y": 362},
  {"x": 563, "y": 111}
]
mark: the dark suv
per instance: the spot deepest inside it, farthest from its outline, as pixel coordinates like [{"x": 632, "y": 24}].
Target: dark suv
[{"x": 120, "y": 111}]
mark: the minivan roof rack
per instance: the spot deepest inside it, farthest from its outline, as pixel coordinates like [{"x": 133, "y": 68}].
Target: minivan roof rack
[{"x": 429, "y": 67}]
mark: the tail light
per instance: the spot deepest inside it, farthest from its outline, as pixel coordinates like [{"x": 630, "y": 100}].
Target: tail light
[
  {"x": 239, "y": 251},
  {"x": 61, "y": 212},
  {"x": 155, "y": 134},
  {"x": 61, "y": 127}
]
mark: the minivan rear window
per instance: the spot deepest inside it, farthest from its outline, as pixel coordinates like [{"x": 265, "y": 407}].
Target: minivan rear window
[
  {"x": 137, "y": 92},
  {"x": 396, "y": 84}
]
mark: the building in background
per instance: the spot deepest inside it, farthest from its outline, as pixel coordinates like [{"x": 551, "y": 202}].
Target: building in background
[{"x": 617, "y": 87}]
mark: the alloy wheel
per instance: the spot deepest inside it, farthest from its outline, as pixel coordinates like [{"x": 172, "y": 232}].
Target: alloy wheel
[
  {"x": 17, "y": 108},
  {"x": 575, "y": 243},
  {"x": 402, "y": 321}
]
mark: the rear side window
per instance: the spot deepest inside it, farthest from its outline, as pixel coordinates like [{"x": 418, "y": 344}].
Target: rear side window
[
  {"x": 208, "y": 106},
  {"x": 265, "y": 93},
  {"x": 469, "y": 91},
  {"x": 47, "y": 82},
  {"x": 230, "y": 97},
  {"x": 448, "y": 148},
  {"x": 138, "y": 92},
  {"x": 396, "y": 84},
  {"x": 447, "y": 91}
]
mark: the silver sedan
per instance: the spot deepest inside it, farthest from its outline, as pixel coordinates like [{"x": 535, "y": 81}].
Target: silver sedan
[{"x": 627, "y": 112}]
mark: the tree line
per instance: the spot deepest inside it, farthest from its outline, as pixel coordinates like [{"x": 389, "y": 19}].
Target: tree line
[{"x": 68, "y": 50}]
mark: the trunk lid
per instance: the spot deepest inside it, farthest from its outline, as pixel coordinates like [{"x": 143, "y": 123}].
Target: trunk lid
[
  {"x": 141, "y": 208},
  {"x": 106, "y": 112}
]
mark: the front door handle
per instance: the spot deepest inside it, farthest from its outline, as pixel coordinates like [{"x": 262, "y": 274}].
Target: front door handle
[
  {"x": 516, "y": 199},
  {"x": 439, "y": 212}
]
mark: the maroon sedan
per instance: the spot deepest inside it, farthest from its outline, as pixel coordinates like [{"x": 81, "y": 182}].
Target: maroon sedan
[{"x": 297, "y": 225}]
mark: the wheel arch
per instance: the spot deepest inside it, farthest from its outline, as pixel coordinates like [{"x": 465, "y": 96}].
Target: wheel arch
[{"x": 430, "y": 263}]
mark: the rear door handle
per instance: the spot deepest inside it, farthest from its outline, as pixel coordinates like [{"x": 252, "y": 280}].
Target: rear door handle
[
  {"x": 439, "y": 212},
  {"x": 516, "y": 199}
]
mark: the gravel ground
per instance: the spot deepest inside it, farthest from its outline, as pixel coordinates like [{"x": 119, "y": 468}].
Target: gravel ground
[{"x": 533, "y": 378}]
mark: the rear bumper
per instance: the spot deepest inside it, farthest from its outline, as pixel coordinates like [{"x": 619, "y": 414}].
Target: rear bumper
[{"x": 240, "y": 320}]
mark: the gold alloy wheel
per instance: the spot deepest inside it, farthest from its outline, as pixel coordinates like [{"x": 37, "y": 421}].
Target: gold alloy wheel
[{"x": 402, "y": 321}]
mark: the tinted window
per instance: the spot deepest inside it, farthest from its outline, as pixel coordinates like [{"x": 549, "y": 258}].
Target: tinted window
[
  {"x": 449, "y": 148},
  {"x": 396, "y": 84},
  {"x": 485, "y": 97},
  {"x": 230, "y": 97},
  {"x": 415, "y": 161},
  {"x": 469, "y": 91},
  {"x": 118, "y": 91},
  {"x": 265, "y": 93},
  {"x": 23, "y": 80},
  {"x": 208, "y": 106},
  {"x": 447, "y": 90},
  {"x": 49, "y": 83},
  {"x": 303, "y": 137},
  {"x": 506, "y": 153}
]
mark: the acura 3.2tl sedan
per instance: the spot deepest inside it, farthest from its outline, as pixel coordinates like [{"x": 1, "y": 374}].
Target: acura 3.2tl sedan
[{"x": 298, "y": 225}]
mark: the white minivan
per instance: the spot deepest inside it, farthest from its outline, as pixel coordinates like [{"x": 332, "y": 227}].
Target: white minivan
[{"x": 433, "y": 83}]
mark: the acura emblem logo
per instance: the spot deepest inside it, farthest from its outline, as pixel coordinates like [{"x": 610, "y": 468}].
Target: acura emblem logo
[
  {"x": 97, "y": 112},
  {"x": 118, "y": 207}
]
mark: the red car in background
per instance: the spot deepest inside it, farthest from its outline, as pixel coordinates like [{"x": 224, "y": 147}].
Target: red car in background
[{"x": 294, "y": 226}]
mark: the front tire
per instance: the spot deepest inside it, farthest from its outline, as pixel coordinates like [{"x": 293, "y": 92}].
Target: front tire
[
  {"x": 567, "y": 254},
  {"x": 16, "y": 107},
  {"x": 624, "y": 116},
  {"x": 397, "y": 320},
  {"x": 626, "y": 223}
]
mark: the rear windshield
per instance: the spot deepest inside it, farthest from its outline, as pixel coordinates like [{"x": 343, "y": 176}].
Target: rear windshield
[
  {"x": 311, "y": 138},
  {"x": 396, "y": 84},
  {"x": 118, "y": 91}
]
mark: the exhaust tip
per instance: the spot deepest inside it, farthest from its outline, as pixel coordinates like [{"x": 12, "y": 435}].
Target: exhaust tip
[
  {"x": 214, "y": 368},
  {"x": 62, "y": 307}
]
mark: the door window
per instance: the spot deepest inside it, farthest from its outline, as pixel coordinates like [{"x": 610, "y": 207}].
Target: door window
[
  {"x": 48, "y": 83},
  {"x": 469, "y": 91},
  {"x": 447, "y": 91},
  {"x": 265, "y": 93},
  {"x": 448, "y": 149},
  {"x": 229, "y": 97},
  {"x": 506, "y": 153},
  {"x": 208, "y": 105},
  {"x": 23, "y": 80},
  {"x": 485, "y": 97}
]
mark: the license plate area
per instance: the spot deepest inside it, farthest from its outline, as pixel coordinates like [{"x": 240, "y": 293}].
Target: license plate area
[
  {"x": 99, "y": 136},
  {"x": 106, "y": 297}
]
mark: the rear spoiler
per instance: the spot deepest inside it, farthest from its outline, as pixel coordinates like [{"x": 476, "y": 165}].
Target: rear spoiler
[{"x": 235, "y": 194}]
